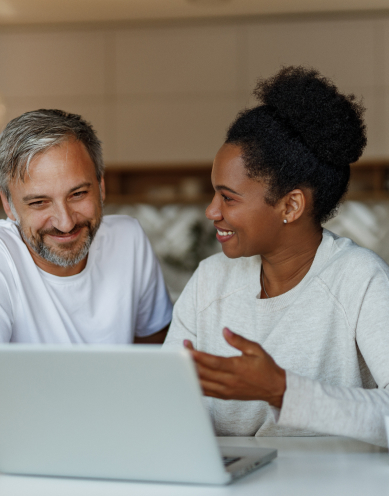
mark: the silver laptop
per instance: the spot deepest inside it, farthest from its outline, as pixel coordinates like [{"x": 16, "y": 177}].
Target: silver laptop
[{"x": 117, "y": 412}]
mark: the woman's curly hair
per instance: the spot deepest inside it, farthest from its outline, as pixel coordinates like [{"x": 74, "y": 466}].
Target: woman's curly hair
[{"x": 304, "y": 133}]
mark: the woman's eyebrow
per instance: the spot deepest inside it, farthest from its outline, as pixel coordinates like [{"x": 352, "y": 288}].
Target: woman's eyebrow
[{"x": 218, "y": 188}]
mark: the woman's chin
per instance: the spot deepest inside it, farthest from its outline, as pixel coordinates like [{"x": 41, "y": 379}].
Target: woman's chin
[{"x": 231, "y": 253}]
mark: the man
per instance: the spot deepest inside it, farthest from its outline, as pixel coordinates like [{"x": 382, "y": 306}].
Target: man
[{"x": 68, "y": 274}]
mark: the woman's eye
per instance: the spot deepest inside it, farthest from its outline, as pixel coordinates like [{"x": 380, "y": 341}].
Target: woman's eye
[{"x": 226, "y": 198}]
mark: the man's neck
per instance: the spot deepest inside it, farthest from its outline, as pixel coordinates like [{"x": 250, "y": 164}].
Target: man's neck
[{"x": 56, "y": 270}]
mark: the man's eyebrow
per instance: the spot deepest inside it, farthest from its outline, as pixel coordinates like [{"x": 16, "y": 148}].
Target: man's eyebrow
[
  {"x": 82, "y": 185},
  {"x": 28, "y": 198},
  {"x": 221, "y": 186}
]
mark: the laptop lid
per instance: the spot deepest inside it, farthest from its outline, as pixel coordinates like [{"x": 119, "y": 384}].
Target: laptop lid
[{"x": 122, "y": 412}]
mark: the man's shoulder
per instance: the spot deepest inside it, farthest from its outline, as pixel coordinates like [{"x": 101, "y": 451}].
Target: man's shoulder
[
  {"x": 121, "y": 237},
  {"x": 120, "y": 227},
  {"x": 10, "y": 239},
  {"x": 120, "y": 222},
  {"x": 13, "y": 252},
  {"x": 8, "y": 227}
]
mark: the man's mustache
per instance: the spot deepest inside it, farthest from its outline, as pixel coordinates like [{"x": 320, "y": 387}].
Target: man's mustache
[{"x": 56, "y": 232}]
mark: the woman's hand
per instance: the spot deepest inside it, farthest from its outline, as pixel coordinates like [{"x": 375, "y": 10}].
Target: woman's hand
[{"x": 254, "y": 375}]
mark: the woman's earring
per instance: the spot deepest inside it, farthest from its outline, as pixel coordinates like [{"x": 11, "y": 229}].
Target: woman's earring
[{"x": 285, "y": 221}]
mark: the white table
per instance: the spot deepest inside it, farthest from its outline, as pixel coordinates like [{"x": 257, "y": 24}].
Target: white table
[{"x": 305, "y": 466}]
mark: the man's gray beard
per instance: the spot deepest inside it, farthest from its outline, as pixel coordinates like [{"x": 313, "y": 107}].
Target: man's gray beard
[{"x": 47, "y": 253}]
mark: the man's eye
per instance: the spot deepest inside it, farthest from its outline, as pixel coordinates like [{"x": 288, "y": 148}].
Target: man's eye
[
  {"x": 36, "y": 203},
  {"x": 79, "y": 193}
]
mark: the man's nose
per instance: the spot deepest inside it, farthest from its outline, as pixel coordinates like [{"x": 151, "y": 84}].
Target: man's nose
[
  {"x": 213, "y": 211},
  {"x": 63, "y": 218}
]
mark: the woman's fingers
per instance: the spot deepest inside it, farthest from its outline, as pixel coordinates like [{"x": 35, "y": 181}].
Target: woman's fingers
[
  {"x": 213, "y": 362},
  {"x": 242, "y": 344},
  {"x": 188, "y": 344},
  {"x": 207, "y": 374},
  {"x": 253, "y": 375},
  {"x": 215, "y": 390}
]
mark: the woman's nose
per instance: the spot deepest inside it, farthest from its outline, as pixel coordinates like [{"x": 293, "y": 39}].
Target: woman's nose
[{"x": 213, "y": 211}]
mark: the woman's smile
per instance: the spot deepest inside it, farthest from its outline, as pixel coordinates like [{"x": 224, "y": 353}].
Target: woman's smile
[{"x": 223, "y": 235}]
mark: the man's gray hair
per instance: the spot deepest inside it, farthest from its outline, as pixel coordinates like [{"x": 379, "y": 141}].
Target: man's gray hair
[{"x": 37, "y": 131}]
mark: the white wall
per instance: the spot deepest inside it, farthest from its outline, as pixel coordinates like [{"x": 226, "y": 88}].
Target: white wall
[{"x": 168, "y": 92}]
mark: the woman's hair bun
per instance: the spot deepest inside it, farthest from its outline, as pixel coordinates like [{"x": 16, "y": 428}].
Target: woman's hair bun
[{"x": 328, "y": 123}]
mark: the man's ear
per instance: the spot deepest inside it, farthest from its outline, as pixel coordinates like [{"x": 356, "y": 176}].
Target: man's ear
[
  {"x": 295, "y": 203},
  {"x": 6, "y": 206},
  {"x": 102, "y": 188}
]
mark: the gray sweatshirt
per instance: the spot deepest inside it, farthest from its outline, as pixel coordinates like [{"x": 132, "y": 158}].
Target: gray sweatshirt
[{"x": 330, "y": 333}]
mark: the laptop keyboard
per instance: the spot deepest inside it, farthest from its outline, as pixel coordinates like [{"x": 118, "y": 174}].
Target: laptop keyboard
[{"x": 227, "y": 460}]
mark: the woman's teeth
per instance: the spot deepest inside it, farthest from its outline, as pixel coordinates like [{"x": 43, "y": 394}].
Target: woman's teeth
[{"x": 225, "y": 233}]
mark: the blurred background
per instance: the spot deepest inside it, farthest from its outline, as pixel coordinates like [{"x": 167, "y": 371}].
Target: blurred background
[{"x": 161, "y": 80}]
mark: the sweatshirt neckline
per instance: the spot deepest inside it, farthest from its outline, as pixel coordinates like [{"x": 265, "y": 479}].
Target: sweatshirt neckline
[{"x": 284, "y": 300}]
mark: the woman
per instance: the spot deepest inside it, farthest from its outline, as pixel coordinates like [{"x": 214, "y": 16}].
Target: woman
[{"x": 310, "y": 311}]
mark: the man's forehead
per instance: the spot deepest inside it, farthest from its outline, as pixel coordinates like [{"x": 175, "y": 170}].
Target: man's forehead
[
  {"x": 61, "y": 166},
  {"x": 64, "y": 151}
]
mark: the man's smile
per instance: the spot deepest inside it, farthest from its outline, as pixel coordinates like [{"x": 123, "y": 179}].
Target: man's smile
[{"x": 66, "y": 237}]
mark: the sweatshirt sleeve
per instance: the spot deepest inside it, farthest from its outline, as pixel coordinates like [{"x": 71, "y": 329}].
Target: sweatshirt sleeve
[
  {"x": 335, "y": 410},
  {"x": 340, "y": 410}
]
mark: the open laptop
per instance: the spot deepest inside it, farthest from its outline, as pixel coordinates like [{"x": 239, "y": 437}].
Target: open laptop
[{"x": 118, "y": 412}]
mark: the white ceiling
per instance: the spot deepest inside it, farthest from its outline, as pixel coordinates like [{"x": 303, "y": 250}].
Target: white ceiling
[{"x": 53, "y": 11}]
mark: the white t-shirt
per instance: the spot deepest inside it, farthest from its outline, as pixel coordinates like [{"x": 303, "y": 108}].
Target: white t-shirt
[
  {"x": 119, "y": 294},
  {"x": 330, "y": 333}
]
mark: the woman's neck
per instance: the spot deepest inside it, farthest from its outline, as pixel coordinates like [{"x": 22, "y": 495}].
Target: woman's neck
[{"x": 283, "y": 270}]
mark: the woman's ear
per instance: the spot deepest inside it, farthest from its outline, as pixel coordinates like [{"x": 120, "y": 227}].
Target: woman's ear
[
  {"x": 295, "y": 203},
  {"x": 6, "y": 206}
]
